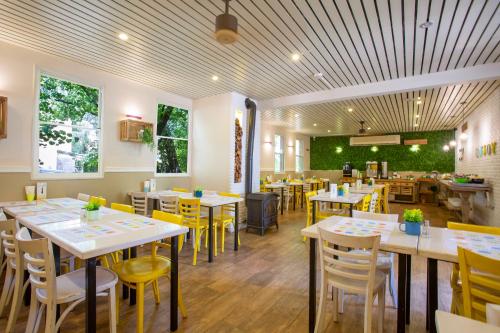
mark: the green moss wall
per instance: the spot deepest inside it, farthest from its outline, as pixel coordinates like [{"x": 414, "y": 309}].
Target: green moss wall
[{"x": 430, "y": 156}]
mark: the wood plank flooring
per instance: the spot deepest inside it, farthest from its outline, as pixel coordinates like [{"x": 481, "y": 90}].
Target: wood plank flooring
[{"x": 261, "y": 288}]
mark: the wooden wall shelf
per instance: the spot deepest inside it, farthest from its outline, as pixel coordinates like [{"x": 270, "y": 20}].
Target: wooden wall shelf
[{"x": 130, "y": 129}]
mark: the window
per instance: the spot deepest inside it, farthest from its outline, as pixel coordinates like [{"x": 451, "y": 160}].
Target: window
[
  {"x": 299, "y": 156},
  {"x": 279, "y": 160},
  {"x": 68, "y": 136},
  {"x": 172, "y": 140}
]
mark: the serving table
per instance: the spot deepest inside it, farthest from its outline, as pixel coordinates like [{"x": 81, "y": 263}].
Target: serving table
[
  {"x": 113, "y": 231},
  {"x": 465, "y": 191},
  {"x": 210, "y": 202},
  {"x": 392, "y": 240}
]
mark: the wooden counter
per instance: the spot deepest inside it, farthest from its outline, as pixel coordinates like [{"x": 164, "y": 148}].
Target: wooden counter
[{"x": 401, "y": 190}]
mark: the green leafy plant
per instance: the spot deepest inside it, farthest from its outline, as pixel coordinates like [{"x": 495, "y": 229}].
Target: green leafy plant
[
  {"x": 413, "y": 215},
  {"x": 147, "y": 138},
  {"x": 92, "y": 206}
]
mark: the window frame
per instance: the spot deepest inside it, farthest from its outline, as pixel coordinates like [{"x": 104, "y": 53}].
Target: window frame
[
  {"x": 35, "y": 172},
  {"x": 299, "y": 153},
  {"x": 189, "y": 140},
  {"x": 281, "y": 153}
]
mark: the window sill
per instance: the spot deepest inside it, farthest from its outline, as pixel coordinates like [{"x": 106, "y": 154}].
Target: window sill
[
  {"x": 65, "y": 176},
  {"x": 172, "y": 175}
]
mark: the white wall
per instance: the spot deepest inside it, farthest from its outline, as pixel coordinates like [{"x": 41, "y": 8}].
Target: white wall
[
  {"x": 483, "y": 128},
  {"x": 17, "y": 82},
  {"x": 267, "y": 149}
]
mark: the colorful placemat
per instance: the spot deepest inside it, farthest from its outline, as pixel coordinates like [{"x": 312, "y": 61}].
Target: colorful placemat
[
  {"x": 135, "y": 223},
  {"x": 360, "y": 228},
  {"x": 40, "y": 207},
  {"x": 66, "y": 202},
  {"x": 484, "y": 244},
  {"x": 86, "y": 233},
  {"x": 51, "y": 217}
]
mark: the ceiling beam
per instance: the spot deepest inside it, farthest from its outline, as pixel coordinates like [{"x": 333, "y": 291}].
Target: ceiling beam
[{"x": 432, "y": 80}]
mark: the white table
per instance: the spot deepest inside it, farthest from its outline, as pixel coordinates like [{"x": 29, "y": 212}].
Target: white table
[
  {"x": 365, "y": 189},
  {"x": 280, "y": 186},
  {"x": 109, "y": 233},
  {"x": 16, "y": 203},
  {"x": 210, "y": 202},
  {"x": 451, "y": 323},
  {"x": 393, "y": 241},
  {"x": 442, "y": 245},
  {"x": 350, "y": 199}
]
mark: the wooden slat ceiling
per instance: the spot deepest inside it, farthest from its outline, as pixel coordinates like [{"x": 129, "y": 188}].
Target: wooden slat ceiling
[{"x": 439, "y": 108}]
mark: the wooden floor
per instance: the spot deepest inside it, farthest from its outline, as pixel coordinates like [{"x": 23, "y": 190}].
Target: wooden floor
[{"x": 261, "y": 288}]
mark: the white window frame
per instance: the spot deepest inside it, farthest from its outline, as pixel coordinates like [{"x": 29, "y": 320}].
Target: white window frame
[
  {"x": 189, "y": 140},
  {"x": 36, "y": 174},
  {"x": 281, "y": 153},
  {"x": 299, "y": 154}
]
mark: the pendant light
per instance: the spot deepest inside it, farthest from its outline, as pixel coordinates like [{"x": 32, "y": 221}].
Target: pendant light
[{"x": 226, "y": 27}]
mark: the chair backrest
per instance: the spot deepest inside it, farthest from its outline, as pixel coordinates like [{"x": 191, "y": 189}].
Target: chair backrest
[
  {"x": 180, "y": 189},
  {"x": 123, "y": 208},
  {"x": 190, "y": 209},
  {"x": 351, "y": 271},
  {"x": 480, "y": 282},
  {"x": 374, "y": 216},
  {"x": 229, "y": 208},
  {"x": 169, "y": 203},
  {"x": 385, "y": 192},
  {"x": 83, "y": 197},
  {"x": 140, "y": 203},
  {"x": 8, "y": 231},
  {"x": 309, "y": 203},
  {"x": 39, "y": 262},
  {"x": 307, "y": 187},
  {"x": 170, "y": 218},
  {"x": 100, "y": 200},
  {"x": 365, "y": 203},
  {"x": 473, "y": 228},
  {"x": 373, "y": 202}
]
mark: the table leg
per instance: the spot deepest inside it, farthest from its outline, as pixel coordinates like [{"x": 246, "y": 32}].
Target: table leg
[
  {"x": 350, "y": 209},
  {"x": 465, "y": 206},
  {"x": 210, "y": 234},
  {"x": 90, "y": 294},
  {"x": 432, "y": 298},
  {"x": 236, "y": 229},
  {"x": 312, "y": 284},
  {"x": 133, "y": 254},
  {"x": 302, "y": 196},
  {"x": 408, "y": 289},
  {"x": 282, "y": 199},
  {"x": 27, "y": 294},
  {"x": 174, "y": 283},
  {"x": 124, "y": 287},
  {"x": 401, "y": 326},
  {"x": 313, "y": 212},
  {"x": 56, "y": 251},
  {"x": 294, "y": 196}
]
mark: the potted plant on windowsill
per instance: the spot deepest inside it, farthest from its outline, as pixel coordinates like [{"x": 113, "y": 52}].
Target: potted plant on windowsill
[
  {"x": 413, "y": 219},
  {"x": 198, "y": 192},
  {"x": 92, "y": 211}
]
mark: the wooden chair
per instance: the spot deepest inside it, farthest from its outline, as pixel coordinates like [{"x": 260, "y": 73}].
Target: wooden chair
[
  {"x": 287, "y": 196},
  {"x": 385, "y": 261},
  {"x": 480, "y": 282},
  {"x": 140, "y": 203},
  {"x": 354, "y": 273},
  {"x": 456, "y": 285},
  {"x": 99, "y": 200},
  {"x": 169, "y": 203},
  {"x": 373, "y": 202},
  {"x": 180, "y": 189},
  {"x": 83, "y": 197},
  {"x": 47, "y": 291},
  {"x": 137, "y": 273},
  {"x": 123, "y": 208},
  {"x": 226, "y": 217},
  {"x": 190, "y": 209}
]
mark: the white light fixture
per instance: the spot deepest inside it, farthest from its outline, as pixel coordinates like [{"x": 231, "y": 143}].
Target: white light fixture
[
  {"x": 417, "y": 116},
  {"x": 416, "y": 125},
  {"x": 226, "y": 27},
  {"x": 296, "y": 115},
  {"x": 350, "y": 110},
  {"x": 415, "y": 148},
  {"x": 369, "y": 128},
  {"x": 123, "y": 36},
  {"x": 419, "y": 102},
  {"x": 453, "y": 143},
  {"x": 463, "y": 136},
  {"x": 374, "y": 149},
  {"x": 315, "y": 124},
  {"x": 446, "y": 148},
  {"x": 338, "y": 150},
  {"x": 329, "y": 131},
  {"x": 426, "y": 25},
  {"x": 215, "y": 78},
  {"x": 295, "y": 57}
]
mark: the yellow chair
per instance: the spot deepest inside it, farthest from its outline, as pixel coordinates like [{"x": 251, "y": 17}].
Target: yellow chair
[
  {"x": 456, "y": 285},
  {"x": 137, "y": 273},
  {"x": 480, "y": 283},
  {"x": 190, "y": 210},
  {"x": 385, "y": 199},
  {"x": 180, "y": 189},
  {"x": 99, "y": 200},
  {"x": 378, "y": 204},
  {"x": 226, "y": 217},
  {"x": 309, "y": 205},
  {"x": 123, "y": 208},
  {"x": 365, "y": 204}
]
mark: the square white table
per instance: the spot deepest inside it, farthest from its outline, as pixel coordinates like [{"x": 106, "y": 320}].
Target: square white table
[
  {"x": 393, "y": 241},
  {"x": 451, "y": 323},
  {"x": 110, "y": 236},
  {"x": 280, "y": 186},
  {"x": 350, "y": 199},
  {"x": 210, "y": 202}
]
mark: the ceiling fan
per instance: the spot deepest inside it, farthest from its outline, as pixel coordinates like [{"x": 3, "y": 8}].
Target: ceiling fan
[
  {"x": 362, "y": 130},
  {"x": 226, "y": 27}
]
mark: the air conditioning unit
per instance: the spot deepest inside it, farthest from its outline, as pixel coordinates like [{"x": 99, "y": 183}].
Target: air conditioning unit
[{"x": 375, "y": 140}]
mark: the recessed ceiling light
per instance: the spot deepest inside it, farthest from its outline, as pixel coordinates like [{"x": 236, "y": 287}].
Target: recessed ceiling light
[
  {"x": 419, "y": 102},
  {"x": 329, "y": 131},
  {"x": 315, "y": 124},
  {"x": 350, "y": 110},
  {"x": 215, "y": 78},
  {"x": 123, "y": 36},
  {"x": 296, "y": 115},
  {"x": 417, "y": 115},
  {"x": 369, "y": 128},
  {"x": 426, "y": 25},
  {"x": 416, "y": 125},
  {"x": 295, "y": 57}
]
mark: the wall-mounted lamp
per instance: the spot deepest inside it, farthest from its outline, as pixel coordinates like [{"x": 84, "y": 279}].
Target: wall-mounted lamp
[
  {"x": 133, "y": 116},
  {"x": 415, "y": 148},
  {"x": 338, "y": 150},
  {"x": 374, "y": 149},
  {"x": 446, "y": 148},
  {"x": 268, "y": 142}
]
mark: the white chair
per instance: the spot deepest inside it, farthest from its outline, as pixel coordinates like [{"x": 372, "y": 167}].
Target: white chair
[
  {"x": 493, "y": 314},
  {"x": 355, "y": 273},
  {"x": 169, "y": 203},
  {"x": 325, "y": 211},
  {"x": 385, "y": 261},
  {"x": 140, "y": 203},
  {"x": 83, "y": 197},
  {"x": 287, "y": 196},
  {"x": 373, "y": 202},
  {"x": 48, "y": 291}
]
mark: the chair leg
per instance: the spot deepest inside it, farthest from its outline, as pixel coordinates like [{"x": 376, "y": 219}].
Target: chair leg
[
  {"x": 392, "y": 290},
  {"x": 196, "y": 247},
  {"x": 7, "y": 289},
  {"x": 117, "y": 301},
  {"x": 215, "y": 239},
  {"x": 341, "y": 301},
  {"x": 156, "y": 291},
  {"x": 34, "y": 307},
  {"x": 320, "y": 317},
  {"x": 368, "y": 314},
  {"x": 17, "y": 299},
  {"x": 336, "y": 301},
  {"x": 140, "y": 307},
  {"x": 222, "y": 237},
  {"x": 112, "y": 309},
  {"x": 50, "y": 317},
  {"x": 181, "y": 303},
  {"x": 381, "y": 309}
]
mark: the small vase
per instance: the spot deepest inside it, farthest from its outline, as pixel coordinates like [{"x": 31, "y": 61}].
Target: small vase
[
  {"x": 340, "y": 193},
  {"x": 92, "y": 215},
  {"x": 198, "y": 194},
  {"x": 411, "y": 228}
]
